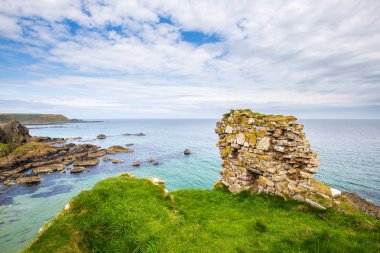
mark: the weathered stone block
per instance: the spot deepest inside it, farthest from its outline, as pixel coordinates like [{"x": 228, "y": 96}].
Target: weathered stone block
[{"x": 266, "y": 153}]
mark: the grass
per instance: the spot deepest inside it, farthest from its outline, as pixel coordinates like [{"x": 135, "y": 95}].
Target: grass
[
  {"x": 5, "y": 149},
  {"x": 31, "y": 147},
  {"x": 133, "y": 215}
]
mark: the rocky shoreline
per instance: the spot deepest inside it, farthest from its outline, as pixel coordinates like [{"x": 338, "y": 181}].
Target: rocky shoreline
[{"x": 27, "y": 157}]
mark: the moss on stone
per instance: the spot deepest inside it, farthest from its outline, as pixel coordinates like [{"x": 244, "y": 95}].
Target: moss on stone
[
  {"x": 230, "y": 138},
  {"x": 262, "y": 133},
  {"x": 322, "y": 188},
  {"x": 264, "y": 157},
  {"x": 251, "y": 138},
  {"x": 225, "y": 152},
  {"x": 248, "y": 113}
]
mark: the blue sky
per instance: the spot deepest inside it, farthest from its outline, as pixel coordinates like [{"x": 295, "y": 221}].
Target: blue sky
[{"x": 190, "y": 59}]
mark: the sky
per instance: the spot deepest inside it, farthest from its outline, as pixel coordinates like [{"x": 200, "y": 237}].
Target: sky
[{"x": 190, "y": 59}]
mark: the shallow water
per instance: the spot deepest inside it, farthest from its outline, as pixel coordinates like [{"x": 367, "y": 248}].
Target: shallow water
[{"x": 349, "y": 151}]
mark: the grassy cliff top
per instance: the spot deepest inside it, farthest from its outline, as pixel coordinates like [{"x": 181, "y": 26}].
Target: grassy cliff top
[
  {"x": 256, "y": 115},
  {"x": 133, "y": 215},
  {"x": 34, "y": 118}
]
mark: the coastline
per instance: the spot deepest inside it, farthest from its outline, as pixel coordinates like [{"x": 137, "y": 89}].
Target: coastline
[{"x": 144, "y": 147}]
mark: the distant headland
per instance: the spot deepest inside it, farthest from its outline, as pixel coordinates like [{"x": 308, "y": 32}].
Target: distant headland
[{"x": 39, "y": 119}]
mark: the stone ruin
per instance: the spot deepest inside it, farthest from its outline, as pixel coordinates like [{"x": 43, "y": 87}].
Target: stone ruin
[{"x": 266, "y": 153}]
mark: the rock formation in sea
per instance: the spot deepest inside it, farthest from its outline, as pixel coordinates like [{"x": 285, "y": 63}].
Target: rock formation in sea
[{"x": 20, "y": 152}]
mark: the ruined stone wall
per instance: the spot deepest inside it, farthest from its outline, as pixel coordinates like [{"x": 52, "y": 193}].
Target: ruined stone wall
[{"x": 265, "y": 153}]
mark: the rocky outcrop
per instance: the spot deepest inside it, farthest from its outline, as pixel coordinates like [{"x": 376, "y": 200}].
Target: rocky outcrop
[
  {"x": 266, "y": 153},
  {"x": 362, "y": 204},
  {"x": 118, "y": 149},
  {"x": 86, "y": 162},
  {"x": 14, "y": 133},
  {"x": 42, "y": 158},
  {"x": 99, "y": 153},
  {"x": 29, "y": 180},
  {"x": 49, "y": 168}
]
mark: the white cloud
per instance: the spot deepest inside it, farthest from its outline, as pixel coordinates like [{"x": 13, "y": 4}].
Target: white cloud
[{"x": 296, "y": 54}]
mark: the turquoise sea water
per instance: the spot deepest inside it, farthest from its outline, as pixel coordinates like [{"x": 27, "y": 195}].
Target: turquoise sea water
[{"x": 349, "y": 151}]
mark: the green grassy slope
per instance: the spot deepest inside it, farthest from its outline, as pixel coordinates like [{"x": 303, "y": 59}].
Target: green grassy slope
[
  {"x": 133, "y": 215},
  {"x": 34, "y": 118}
]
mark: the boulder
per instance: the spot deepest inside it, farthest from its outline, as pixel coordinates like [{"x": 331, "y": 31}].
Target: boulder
[
  {"x": 136, "y": 164},
  {"x": 87, "y": 162},
  {"x": 78, "y": 170},
  {"x": 101, "y": 136},
  {"x": 29, "y": 180},
  {"x": 335, "y": 192},
  {"x": 264, "y": 144},
  {"x": 187, "y": 151},
  {"x": 106, "y": 159},
  {"x": 157, "y": 181},
  {"x": 240, "y": 138}
]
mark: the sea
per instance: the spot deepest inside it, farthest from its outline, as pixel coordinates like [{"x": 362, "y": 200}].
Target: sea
[{"x": 349, "y": 151}]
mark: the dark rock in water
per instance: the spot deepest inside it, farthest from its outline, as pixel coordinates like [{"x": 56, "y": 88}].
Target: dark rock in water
[
  {"x": 101, "y": 136},
  {"x": 151, "y": 160},
  {"x": 78, "y": 170},
  {"x": 129, "y": 144},
  {"x": 187, "y": 152},
  {"x": 138, "y": 134},
  {"x": 156, "y": 163},
  {"x": 14, "y": 133},
  {"x": 136, "y": 164},
  {"x": 117, "y": 161},
  {"x": 29, "y": 180}
]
